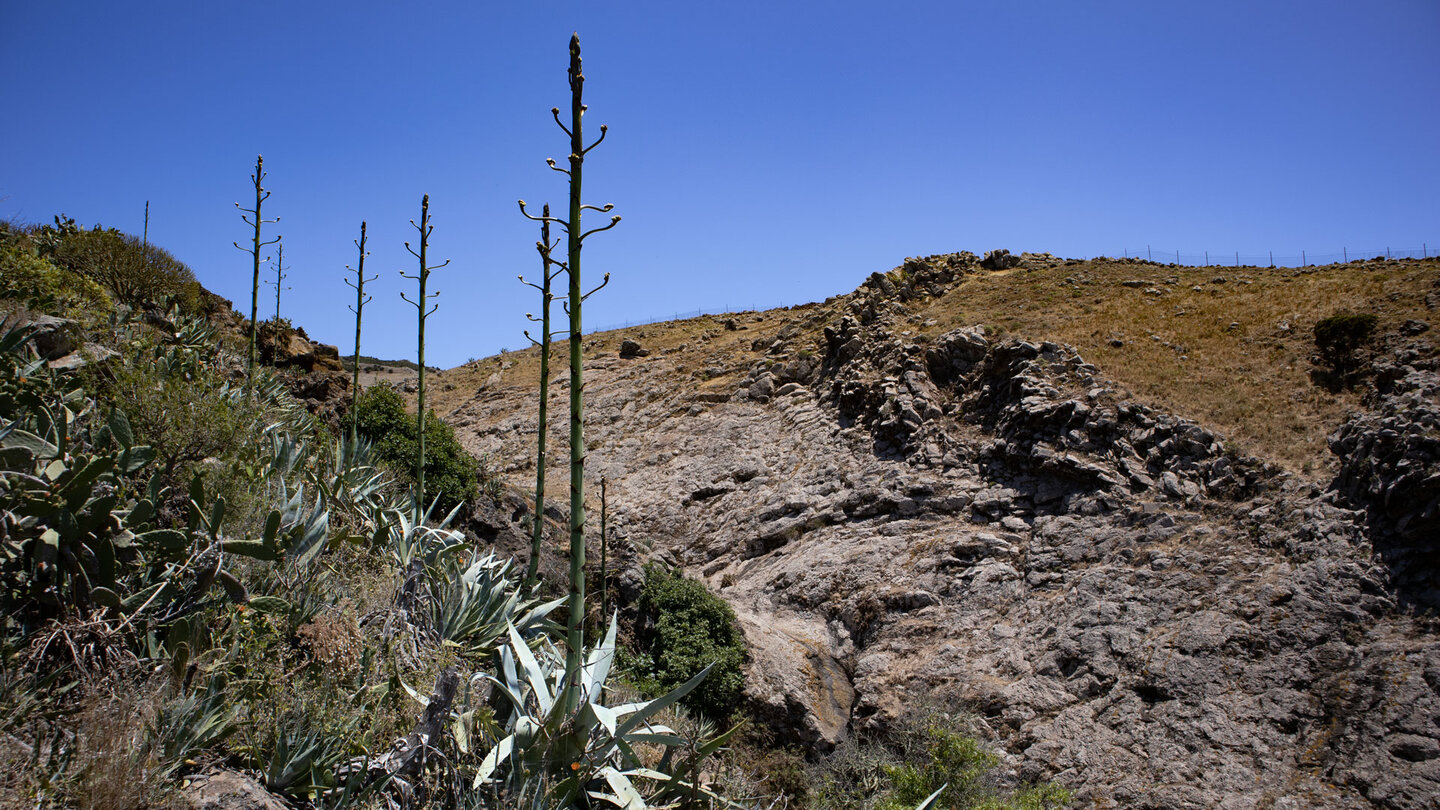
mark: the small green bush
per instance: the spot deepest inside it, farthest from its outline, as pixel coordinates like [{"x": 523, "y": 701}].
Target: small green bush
[
  {"x": 900, "y": 767},
  {"x": 133, "y": 271},
  {"x": 965, "y": 768},
  {"x": 450, "y": 473},
  {"x": 692, "y": 628},
  {"x": 1339, "y": 339},
  {"x": 40, "y": 285}
]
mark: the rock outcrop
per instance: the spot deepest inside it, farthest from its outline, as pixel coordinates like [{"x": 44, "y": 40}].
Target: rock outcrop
[
  {"x": 1132, "y": 609},
  {"x": 1390, "y": 466}
]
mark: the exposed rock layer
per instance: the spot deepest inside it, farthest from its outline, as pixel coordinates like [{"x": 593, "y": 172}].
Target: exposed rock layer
[{"x": 1134, "y": 611}]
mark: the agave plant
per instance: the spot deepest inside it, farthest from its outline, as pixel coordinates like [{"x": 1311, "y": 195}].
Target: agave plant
[
  {"x": 408, "y": 542},
  {"x": 552, "y": 756},
  {"x": 473, "y": 606},
  {"x": 304, "y": 757},
  {"x": 191, "y": 724}
]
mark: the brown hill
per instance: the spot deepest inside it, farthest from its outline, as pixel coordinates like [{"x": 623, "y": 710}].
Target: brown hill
[{"x": 1090, "y": 501}]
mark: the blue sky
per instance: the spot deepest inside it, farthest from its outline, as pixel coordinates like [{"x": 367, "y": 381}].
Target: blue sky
[{"x": 760, "y": 153}]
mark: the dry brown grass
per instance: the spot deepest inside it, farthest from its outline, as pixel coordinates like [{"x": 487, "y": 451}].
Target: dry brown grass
[
  {"x": 93, "y": 760},
  {"x": 1233, "y": 355}
]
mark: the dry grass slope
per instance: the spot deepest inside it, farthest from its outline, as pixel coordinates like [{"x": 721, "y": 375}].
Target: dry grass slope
[{"x": 1229, "y": 347}]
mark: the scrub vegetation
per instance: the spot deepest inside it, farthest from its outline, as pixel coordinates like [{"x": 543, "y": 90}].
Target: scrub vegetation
[{"x": 202, "y": 576}]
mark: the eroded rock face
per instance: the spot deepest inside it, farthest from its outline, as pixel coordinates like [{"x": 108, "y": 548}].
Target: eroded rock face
[
  {"x": 228, "y": 790},
  {"x": 1135, "y": 612},
  {"x": 1391, "y": 466}
]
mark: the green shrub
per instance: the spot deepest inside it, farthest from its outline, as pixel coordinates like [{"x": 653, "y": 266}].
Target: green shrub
[
  {"x": 1339, "y": 338},
  {"x": 901, "y": 767},
  {"x": 133, "y": 271},
  {"x": 40, "y": 285},
  {"x": 451, "y": 474},
  {"x": 183, "y": 410},
  {"x": 691, "y": 628}
]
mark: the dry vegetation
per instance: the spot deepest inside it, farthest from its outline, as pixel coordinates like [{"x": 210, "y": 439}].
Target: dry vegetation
[{"x": 1229, "y": 347}]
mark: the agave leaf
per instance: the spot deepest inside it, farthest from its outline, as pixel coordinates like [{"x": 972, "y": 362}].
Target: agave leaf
[
  {"x": 604, "y": 716},
  {"x": 646, "y": 710},
  {"x": 497, "y": 755},
  {"x": 929, "y": 800},
  {"x": 655, "y": 739},
  {"x": 714, "y": 744},
  {"x": 533, "y": 673},
  {"x": 628, "y": 797},
  {"x": 597, "y": 668}
]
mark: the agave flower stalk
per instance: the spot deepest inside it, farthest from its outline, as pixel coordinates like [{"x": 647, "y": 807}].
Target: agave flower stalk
[
  {"x": 421, "y": 301},
  {"x": 361, "y": 299},
  {"x": 575, "y": 237},
  {"x": 545, "y": 247},
  {"x": 253, "y": 218},
  {"x": 604, "y": 549},
  {"x": 280, "y": 276}
]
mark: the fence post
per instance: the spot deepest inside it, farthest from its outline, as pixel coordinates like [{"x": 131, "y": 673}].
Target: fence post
[
  {"x": 1207, "y": 258},
  {"x": 1177, "y": 257},
  {"x": 1303, "y": 261},
  {"x": 1147, "y": 253},
  {"x": 1237, "y": 258},
  {"x": 1272, "y": 258},
  {"x": 1344, "y": 251},
  {"x": 1387, "y": 252}
]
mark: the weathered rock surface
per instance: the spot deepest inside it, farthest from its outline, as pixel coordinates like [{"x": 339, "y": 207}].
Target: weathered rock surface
[
  {"x": 228, "y": 790},
  {"x": 1391, "y": 467},
  {"x": 1135, "y": 612}
]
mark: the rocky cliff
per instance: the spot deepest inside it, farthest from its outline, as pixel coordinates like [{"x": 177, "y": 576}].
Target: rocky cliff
[{"x": 1134, "y": 608}]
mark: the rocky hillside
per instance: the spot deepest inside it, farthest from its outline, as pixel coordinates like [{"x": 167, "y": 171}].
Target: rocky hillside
[{"x": 909, "y": 500}]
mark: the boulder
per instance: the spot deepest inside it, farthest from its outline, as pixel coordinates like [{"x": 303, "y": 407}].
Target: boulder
[
  {"x": 1000, "y": 259},
  {"x": 228, "y": 790},
  {"x": 631, "y": 349}
]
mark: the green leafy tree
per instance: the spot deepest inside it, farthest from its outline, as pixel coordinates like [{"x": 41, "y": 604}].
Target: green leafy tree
[
  {"x": 451, "y": 473},
  {"x": 691, "y": 629},
  {"x": 133, "y": 271}
]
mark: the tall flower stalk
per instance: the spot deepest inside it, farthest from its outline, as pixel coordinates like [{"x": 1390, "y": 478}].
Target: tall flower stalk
[
  {"x": 253, "y": 218},
  {"x": 421, "y": 301},
  {"x": 545, "y": 247},
  {"x": 575, "y": 237},
  {"x": 361, "y": 299}
]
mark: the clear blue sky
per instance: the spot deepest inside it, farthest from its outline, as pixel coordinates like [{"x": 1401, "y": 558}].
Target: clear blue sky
[{"x": 760, "y": 152}]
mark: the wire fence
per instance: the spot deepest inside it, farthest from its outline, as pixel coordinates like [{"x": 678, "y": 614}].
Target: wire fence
[
  {"x": 1203, "y": 259},
  {"x": 1271, "y": 259},
  {"x": 684, "y": 316}
]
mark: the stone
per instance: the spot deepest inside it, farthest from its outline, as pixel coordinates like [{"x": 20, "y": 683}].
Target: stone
[
  {"x": 228, "y": 790},
  {"x": 53, "y": 337},
  {"x": 632, "y": 349},
  {"x": 999, "y": 260}
]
